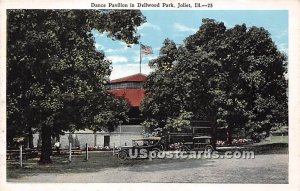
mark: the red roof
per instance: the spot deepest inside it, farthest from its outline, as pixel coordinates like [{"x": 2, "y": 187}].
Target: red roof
[
  {"x": 134, "y": 96},
  {"x": 133, "y": 78}
]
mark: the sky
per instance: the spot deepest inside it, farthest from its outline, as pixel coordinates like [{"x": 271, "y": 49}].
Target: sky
[{"x": 177, "y": 25}]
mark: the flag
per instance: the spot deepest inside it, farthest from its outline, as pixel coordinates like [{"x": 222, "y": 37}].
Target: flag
[{"x": 146, "y": 49}]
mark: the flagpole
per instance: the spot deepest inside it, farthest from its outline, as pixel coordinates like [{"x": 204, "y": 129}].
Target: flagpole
[{"x": 140, "y": 58}]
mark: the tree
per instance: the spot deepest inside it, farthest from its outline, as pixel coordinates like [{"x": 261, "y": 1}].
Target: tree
[
  {"x": 55, "y": 77},
  {"x": 232, "y": 77},
  {"x": 160, "y": 103}
]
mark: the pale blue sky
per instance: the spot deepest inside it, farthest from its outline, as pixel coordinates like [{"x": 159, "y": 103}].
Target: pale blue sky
[{"x": 177, "y": 25}]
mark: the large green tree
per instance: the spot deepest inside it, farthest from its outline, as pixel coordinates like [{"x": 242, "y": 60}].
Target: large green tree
[
  {"x": 232, "y": 77},
  {"x": 55, "y": 77},
  {"x": 161, "y": 103}
]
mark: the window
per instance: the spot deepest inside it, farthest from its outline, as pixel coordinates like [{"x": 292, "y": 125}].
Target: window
[{"x": 126, "y": 85}]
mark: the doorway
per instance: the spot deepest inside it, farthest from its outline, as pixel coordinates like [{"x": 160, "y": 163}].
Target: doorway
[{"x": 106, "y": 140}]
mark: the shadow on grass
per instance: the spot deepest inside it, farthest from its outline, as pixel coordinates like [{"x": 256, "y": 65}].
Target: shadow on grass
[
  {"x": 101, "y": 160},
  {"x": 260, "y": 149},
  {"x": 60, "y": 164}
]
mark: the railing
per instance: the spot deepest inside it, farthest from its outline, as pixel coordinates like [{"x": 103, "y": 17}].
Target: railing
[{"x": 26, "y": 153}]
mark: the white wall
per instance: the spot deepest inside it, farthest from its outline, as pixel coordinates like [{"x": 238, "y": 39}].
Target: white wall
[{"x": 116, "y": 138}]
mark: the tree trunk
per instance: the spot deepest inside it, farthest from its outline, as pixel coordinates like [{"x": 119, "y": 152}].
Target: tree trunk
[
  {"x": 213, "y": 130},
  {"x": 229, "y": 135},
  {"x": 30, "y": 138},
  {"x": 46, "y": 146}
]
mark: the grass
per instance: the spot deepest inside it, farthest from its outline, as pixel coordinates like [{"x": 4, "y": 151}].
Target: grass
[
  {"x": 101, "y": 160},
  {"x": 273, "y": 148},
  {"x": 61, "y": 164},
  {"x": 273, "y": 145},
  {"x": 260, "y": 148},
  {"x": 280, "y": 139}
]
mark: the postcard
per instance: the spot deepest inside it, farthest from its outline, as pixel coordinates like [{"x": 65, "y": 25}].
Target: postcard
[{"x": 130, "y": 95}]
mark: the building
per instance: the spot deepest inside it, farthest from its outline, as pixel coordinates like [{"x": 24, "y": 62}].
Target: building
[{"x": 131, "y": 88}]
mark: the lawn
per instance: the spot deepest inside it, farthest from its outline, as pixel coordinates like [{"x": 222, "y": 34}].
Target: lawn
[
  {"x": 61, "y": 164},
  {"x": 277, "y": 139},
  {"x": 101, "y": 160},
  {"x": 280, "y": 139}
]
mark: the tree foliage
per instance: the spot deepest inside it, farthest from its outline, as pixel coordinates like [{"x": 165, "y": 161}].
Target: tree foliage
[
  {"x": 233, "y": 77},
  {"x": 55, "y": 77}
]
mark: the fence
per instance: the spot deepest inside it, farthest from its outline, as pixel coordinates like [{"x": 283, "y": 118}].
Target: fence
[{"x": 21, "y": 154}]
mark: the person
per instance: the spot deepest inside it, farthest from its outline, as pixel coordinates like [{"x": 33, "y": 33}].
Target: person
[{"x": 57, "y": 146}]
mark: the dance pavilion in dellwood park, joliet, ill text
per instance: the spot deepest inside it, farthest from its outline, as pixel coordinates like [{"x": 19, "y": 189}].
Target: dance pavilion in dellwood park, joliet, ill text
[{"x": 129, "y": 87}]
